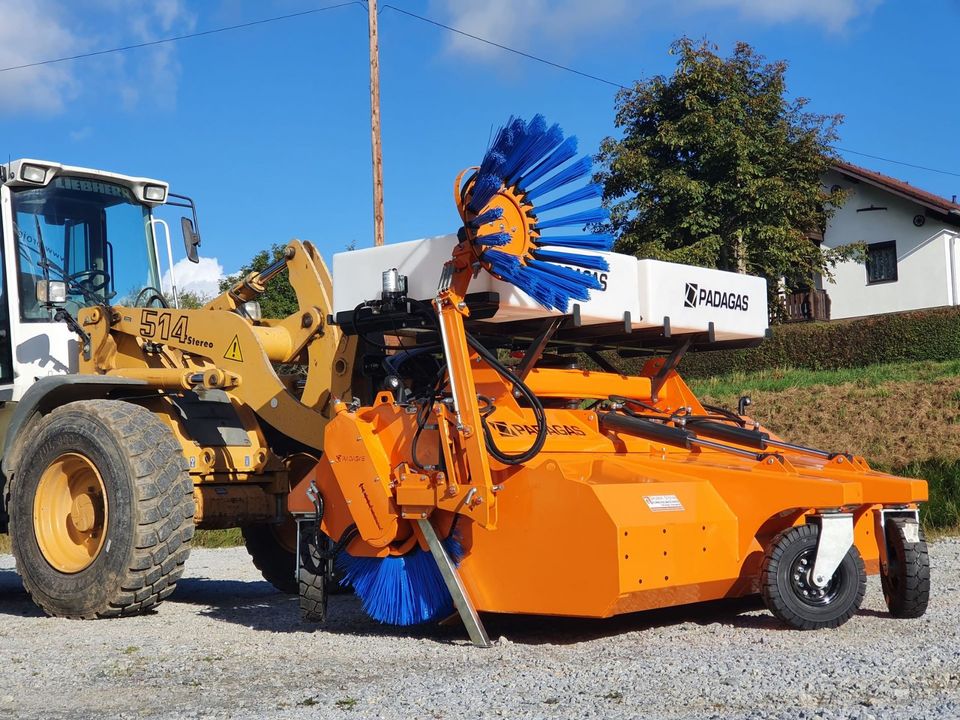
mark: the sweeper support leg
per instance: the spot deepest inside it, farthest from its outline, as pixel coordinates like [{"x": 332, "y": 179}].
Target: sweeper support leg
[{"x": 471, "y": 620}]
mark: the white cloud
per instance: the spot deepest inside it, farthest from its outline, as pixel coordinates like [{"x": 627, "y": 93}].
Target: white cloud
[
  {"x": 49, "y": 29},
  {"x": 554, "y": 26},
  {"x": 834, "y": 15},
  {"x": 156, "y": 71},
  {"x": 202, "y": 278},
  {"x": 509, "y": 22},
  {"x": 81, "y": 134},
  {"x": 31, "y": 31}
]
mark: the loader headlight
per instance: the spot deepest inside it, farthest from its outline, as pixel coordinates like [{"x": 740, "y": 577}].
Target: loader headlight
[
  {"x": 51, "y": 292},
  {"x": 155, "y": 193},
  {"x": 33, "y": 173}
]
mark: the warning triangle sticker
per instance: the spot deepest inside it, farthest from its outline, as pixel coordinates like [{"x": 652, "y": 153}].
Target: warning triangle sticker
[{"x": 233, "y": 352}]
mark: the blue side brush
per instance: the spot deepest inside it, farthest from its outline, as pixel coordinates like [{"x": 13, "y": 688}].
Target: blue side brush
[
  {"x": 404, "y": 590},
  {"x": 599, "y": 241},
  {"x": 585, "y": 217},
  {"x": 526, "y": 162},
  {"x": 587, "y": 192}
]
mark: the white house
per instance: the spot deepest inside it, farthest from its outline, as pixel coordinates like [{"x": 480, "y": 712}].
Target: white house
[{"x": 913, "y": 247}]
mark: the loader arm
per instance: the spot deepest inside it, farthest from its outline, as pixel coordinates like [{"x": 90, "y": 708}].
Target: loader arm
[{"x": 218, "y": 348}]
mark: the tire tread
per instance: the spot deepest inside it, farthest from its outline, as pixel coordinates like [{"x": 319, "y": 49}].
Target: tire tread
[
  {"x": 164, "y": 507},
  {"x": 770, "y": 590},
  {"x": 911, "y": 600}
]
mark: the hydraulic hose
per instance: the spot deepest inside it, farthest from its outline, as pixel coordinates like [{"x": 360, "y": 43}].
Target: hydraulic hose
[
  {"x": 519, "y": 385},
  {"x": 525, "y": 391}
]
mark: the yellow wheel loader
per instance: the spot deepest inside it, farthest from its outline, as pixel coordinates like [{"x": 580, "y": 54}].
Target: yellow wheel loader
[{"x": 127, "y": 422}]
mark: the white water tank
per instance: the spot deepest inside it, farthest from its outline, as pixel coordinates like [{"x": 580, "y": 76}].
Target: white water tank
[{"x": 645, "y": 293}]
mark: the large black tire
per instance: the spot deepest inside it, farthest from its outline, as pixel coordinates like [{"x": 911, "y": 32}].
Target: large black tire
[
  {"x": 791, "y": 596},
  {"x": 906, "y": 577},
  {"x": 276, "y": 563},
  {"x": 313, "y": 576},
  {"x": 148, "y": 519}
]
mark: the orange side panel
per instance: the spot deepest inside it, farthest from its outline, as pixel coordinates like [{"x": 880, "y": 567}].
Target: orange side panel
[
  {"x": 362, "y": 471},
  {"x": 602, "y": 536}
]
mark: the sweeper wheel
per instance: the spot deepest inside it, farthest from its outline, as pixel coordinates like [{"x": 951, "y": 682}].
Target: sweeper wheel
[
  {"x": 312, "y": 576},
  {"x": 906, "y": 577},
  {"x": 788, "y": 589}
]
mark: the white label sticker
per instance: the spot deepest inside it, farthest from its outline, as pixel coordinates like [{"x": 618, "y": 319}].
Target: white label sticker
[
  {"x": 663, "y": 503},
  {"x": 911, "y": 531}
]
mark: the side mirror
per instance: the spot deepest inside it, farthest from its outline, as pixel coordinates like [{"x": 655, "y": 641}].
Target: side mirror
[
  {"x": 51, "y": 292},
  {"x": 191, "y": 240}
]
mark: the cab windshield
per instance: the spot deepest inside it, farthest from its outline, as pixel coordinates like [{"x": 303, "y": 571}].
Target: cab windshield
[{"x": 93, "y": 235}]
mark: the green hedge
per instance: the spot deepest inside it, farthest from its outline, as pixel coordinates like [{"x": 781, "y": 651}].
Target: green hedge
[
  {"x": 943, "y": 480},
  {"x": 896, "y": 337}
]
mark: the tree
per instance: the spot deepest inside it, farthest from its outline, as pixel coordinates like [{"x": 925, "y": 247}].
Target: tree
[
  {"x": 279, "y": 300},
  {"x": 189, "y": 300},
  {"x": 718, "y": 168}
]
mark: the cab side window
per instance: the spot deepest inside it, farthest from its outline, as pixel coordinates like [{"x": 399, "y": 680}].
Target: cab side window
[{"x": 6, "y": 351}]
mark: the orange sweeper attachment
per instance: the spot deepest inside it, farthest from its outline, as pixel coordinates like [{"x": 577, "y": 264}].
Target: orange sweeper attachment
[{"x": 494, "y": 458}]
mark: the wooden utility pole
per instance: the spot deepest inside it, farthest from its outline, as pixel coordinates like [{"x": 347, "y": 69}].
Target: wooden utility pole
[{"x": 375, "y": 125}]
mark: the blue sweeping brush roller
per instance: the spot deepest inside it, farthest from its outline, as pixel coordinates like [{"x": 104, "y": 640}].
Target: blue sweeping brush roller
[
  {"x": 526, "y": 162},
  {"x": 401, "y": 589}
]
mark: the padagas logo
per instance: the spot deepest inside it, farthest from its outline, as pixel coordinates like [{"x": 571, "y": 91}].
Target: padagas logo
[
  {"x": 516, "y": 429},
  {"x": 696, "y": 296}
]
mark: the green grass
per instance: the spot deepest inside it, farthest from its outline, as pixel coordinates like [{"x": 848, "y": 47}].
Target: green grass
[
  {"x": 202, "y": 538},
  {"x": 218, "y": 538},
  {"x": 785, "y": 378},
  {"x": 942, "y": 514}
]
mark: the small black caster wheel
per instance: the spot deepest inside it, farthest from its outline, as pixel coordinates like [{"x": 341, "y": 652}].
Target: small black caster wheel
[
  {"x": 313, "y": 574},
  {"x": 906, "y": 577},
  {"x": 789, "y": 592}
]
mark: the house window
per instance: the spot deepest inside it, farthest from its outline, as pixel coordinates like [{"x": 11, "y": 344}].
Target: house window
[{"x": 882, "y": 262}]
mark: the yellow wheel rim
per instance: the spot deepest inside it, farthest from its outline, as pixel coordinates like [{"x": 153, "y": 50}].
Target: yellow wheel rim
[{"x": 70, "y": 513}]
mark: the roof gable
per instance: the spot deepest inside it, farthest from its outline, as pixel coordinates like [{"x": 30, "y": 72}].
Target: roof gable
[{"x": 947, "y": 208}]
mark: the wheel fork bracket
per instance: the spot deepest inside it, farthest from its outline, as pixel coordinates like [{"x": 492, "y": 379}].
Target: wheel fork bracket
[
  {"x": 833, "y": 543},
  {"x": 911, "y": 527},
  {"x": 468, "y": 613}
]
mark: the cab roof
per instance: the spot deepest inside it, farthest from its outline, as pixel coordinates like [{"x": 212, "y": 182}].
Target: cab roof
[{"x": 26, "y": 173}]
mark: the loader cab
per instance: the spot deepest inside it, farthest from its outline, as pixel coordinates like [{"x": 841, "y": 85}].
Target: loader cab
[{"x": 92, "y": 231}]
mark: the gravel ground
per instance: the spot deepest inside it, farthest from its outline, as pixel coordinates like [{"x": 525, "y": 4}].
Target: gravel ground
[{"x": 226, "y": 645}]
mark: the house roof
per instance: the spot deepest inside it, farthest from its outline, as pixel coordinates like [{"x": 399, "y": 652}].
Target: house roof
[{"x": 899, "y": 187}]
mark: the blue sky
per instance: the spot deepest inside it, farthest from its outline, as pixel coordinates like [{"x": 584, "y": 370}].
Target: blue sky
[{"x": 268, "y": 127}]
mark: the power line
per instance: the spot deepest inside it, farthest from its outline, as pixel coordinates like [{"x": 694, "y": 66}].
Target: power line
[
  {"x": 896, "y": 162},
  {"x": 618, "y": 85},
  {"x": 504, "y": 47},
  {"x": 529, "y": 56},
  {"x": 176, "y": 38}
]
